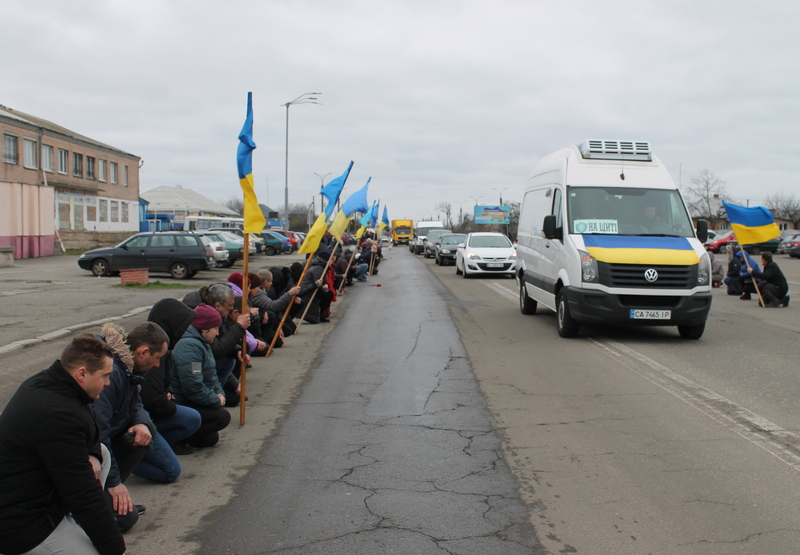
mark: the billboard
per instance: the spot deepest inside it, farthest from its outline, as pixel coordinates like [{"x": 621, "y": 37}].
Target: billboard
[{"x": 493, "y": 215}]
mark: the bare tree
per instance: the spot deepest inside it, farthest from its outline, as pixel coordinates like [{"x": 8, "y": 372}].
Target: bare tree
[
  {"x": 784, "y": 207},
  {"x": 234, "y": 203},
  {"x": 513, "y": 227},
  {"x": 300, "y": 215},
  {"x": 447, "y": 208},
  {"x": 706, "y": 195}
]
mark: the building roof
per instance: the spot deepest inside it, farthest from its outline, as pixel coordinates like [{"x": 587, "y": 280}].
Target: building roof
[
  {"x": 21, "y": 117},
  {"x": 177, "y": 199}
]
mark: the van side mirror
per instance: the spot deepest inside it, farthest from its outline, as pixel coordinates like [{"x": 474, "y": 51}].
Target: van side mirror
[
  {"x": 702, "y": 231},
  {"x": 549, "y": 227}
]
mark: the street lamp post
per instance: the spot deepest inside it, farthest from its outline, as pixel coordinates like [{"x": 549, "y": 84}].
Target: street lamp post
[
  {"x": 305, "y": 98},
  {"x": 500, "y": 191},
  {"x": 321, "y": 186}
]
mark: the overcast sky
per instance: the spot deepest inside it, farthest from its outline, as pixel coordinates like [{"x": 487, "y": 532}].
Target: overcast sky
[{"x": 435, "y": 100}]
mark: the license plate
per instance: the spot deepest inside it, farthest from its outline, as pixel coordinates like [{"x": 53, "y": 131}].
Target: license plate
[
  {"x": 651, "y": 314},
  {"x": 494, "y": 265}
]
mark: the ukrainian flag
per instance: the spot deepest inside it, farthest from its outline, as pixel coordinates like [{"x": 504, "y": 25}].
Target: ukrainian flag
[
  {"x": 751, "y": 224},
  {"x": 254, "y": 220},
  {"x": 622, "y": 249}
]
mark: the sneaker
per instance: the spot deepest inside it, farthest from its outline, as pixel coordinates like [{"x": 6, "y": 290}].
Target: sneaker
[
  {"x": 785, "y": 301},
  {"x": 140, "y": 509},
  {"x": 182, "y": 449},
  {"x": 745, "y": 297},
  {"x": 324, "y": 320}
]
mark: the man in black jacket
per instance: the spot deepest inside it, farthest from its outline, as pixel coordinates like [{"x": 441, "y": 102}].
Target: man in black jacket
[
  {"x": 773, "y": 284},
  {"x": 50, "y": 456}
]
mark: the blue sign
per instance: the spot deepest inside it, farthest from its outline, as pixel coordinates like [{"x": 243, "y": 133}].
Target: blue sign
[{"x": 492, "y": 215}]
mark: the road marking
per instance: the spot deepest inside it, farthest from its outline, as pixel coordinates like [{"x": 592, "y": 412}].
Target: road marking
[
  {"x": 767, "y": 435},
  {"x": 778, "y": 442},
  {"x": 498, "y": 288}
]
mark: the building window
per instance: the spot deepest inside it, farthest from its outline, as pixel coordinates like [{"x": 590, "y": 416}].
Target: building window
[
  {"x": 124, "y": 212},
  {"x": 114, "y": 211},
  {"x": 10, "y": 154},
  {"x": 89, "y": 167},
  {"x": 113, "y": 172},
  {"x": 47, "y": 158},
  {"x": 101, "y": 170},
  {"x": 63, "y": 161},
  {"x": 103, "y": 207},
  {"x": 29, "y": 153},
  {"x": 77, "y": 164},
  {"x": 124, "y": 176}
]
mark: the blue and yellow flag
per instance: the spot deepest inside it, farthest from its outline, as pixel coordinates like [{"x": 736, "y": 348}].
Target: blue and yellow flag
[
  {"x": 254, "y": 220},
  {"x": 384, "y": 221},
  {"x": 751, "y": 224},
  {"x": 356, "y": 203},
  {"x": 315, "y": 234},
  {"x": 333, "y": 189},
  {"x": 364, "y": 221},
  {"x": 624, "y": 249}
]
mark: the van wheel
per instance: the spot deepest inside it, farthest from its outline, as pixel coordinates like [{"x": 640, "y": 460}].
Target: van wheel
[
  {"x": 567, "y": 327},
  {"x": 755, "y": 251},
  {"x": 179, "y": 270},
  {"x": 692, "y": 332},
  {"x": 526, "y": 304}
]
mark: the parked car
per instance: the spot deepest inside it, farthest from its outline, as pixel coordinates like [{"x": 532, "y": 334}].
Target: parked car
[
  {"x": 721, "y": 243},
  {"x": 255, "y": 246},
  {"x": 793, "y": 249},
  {"x": 486, "y": 253},
  {"x": 786, "y": 242},
  {"x": 221, "y": 253},
  {"x": 433, "y": 235},
  {"x": 285, "y": 242},
  {"x": 235, "y": 246},
  {"x": 180, "y": 253},
  {"x": 293, "y": 243},
  {"x": 446, "y": 247}
]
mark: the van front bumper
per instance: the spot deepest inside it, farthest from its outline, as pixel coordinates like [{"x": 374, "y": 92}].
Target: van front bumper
[{"x": 599, "y": 307}]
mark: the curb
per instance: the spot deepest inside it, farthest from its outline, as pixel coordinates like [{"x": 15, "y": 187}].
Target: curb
[{"x": 64, "y": 332}]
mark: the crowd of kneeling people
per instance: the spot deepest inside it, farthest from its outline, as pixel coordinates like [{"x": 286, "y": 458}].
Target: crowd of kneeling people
[{"x": 119, "y": 403}]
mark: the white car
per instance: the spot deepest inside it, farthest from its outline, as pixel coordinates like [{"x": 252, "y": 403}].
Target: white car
[{"x": 486, "y": 253}]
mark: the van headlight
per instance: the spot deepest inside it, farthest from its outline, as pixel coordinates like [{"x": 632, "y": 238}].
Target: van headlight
[
  {"x": 589, "y": 272},
  {"x": 704, "y": 271}
]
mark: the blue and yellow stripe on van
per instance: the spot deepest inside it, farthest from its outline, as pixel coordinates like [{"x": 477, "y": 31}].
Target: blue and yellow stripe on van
[{"x": 620, "y": 249}]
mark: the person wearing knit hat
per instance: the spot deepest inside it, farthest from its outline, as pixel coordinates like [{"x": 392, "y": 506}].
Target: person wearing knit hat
[
  {"x": 195, "y": 382},
  {"x": 235, "y": 281}
]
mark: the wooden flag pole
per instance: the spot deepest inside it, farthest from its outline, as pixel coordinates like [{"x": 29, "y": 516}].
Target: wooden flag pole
[
  {"x": 288, "y": 308},
  {"x": 314, "y": 294},
  {"x": 245, "y": 310},
  {"x": 372, "y": 258},
  {"x": 347, "y": 272},
  {"x": 755, "y": 281}
]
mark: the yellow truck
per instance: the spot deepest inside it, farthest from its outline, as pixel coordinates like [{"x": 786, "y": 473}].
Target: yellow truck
[{"x": 402, "y": 231}]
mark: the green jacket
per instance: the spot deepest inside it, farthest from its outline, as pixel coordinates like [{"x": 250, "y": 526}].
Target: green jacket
[{"x": 194, "y": 371}]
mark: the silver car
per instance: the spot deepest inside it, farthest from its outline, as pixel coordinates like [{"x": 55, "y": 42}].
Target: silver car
[{"x": 221, "y": 254}]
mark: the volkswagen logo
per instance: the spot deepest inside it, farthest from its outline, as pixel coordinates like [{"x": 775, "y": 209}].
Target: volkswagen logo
[{"x": 650, "y": 275}]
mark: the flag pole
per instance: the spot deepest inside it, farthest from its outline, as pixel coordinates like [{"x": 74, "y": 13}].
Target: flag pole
[
  {"x": 755, "y": 281},
  {"x": 372, "y": 258},
  {"x": 347, "y": 272},
  {"x": 245, "y": 310},
  {"x": 314, "y": 294},
  {"x": 288, "y": 308}
]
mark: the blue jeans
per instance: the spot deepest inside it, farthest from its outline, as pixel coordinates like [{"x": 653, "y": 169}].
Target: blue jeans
[
  {"x": 160, "y": 464},
  {"x": 225, "y": 368},
  {"x": 361, "y": 271}
]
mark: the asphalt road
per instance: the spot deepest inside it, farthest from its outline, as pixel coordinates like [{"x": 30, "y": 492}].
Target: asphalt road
[{"x": 432, "y": 417}]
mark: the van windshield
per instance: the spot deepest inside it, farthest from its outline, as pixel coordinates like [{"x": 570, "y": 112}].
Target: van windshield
[{"x": 627, "y": 211}]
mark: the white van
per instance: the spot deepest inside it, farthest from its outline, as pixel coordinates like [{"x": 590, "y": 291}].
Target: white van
[
  {"x": 417, "y": 242},
  {"x": 605, "y": 238}
]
